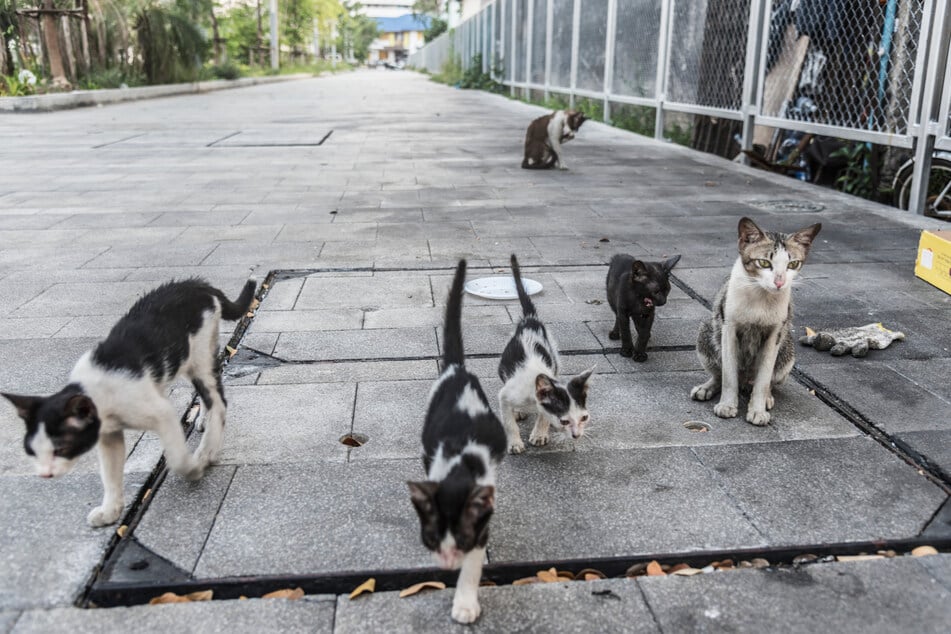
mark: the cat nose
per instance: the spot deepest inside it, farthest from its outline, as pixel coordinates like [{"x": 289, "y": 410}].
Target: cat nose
[{"x": 779, "y": 281}]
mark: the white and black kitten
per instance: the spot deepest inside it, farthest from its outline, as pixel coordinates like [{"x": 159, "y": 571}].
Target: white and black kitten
[
  {"x": 529, "y": 368},
  {"x": 463, "y": 444},
  {"x": 635, "y": 289},
  {"x": 544, "y": 138},
  {"x": 747, "y": 340},
  {"x": 170, "y": 332}
]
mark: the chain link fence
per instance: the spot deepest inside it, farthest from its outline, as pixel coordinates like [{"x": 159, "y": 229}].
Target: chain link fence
[{"x": 736, "y": 71}]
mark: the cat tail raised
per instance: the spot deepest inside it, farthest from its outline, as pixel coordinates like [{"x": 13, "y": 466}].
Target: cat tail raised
[
  {"x": 452, "y": 329},
  {"x": 235, "y": 310},
  {"x": 528, "y": 308}
]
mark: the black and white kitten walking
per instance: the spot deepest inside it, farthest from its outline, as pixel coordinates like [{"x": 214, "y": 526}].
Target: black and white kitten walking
[
  {"x": 529, "y": 368},
  {"x": 463, "y": 444},
  {"x": 170, "y": 332},
  {"x": 747, "y": 340}
]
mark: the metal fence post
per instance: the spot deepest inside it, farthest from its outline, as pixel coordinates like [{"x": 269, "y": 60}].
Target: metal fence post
[
  {"x": 575, "y": 40},
  {"x": 663, "y": 56},
  {"x": 529, "y": 40},
  {"x": 926, "y": 129},
  {"x": 549, "y": 27},
  {"x": 491, "y": 48},
  {"x": 749, "y": 105},
  {"x": 514, "y": 4},
  {"x": 609, "y": 39}
]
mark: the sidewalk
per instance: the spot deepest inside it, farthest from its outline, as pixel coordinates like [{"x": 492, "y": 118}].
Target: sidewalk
[{"x": 356, "y": 195}]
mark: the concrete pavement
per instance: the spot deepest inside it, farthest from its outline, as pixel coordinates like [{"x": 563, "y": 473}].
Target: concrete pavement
[{"x": 357, "y": 194}]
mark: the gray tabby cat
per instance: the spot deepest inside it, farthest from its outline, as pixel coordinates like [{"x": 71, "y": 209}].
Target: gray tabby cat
[{"x": 747, "y": 340}]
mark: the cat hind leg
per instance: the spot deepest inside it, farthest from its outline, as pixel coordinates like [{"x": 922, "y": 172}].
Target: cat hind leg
[
  {"x": 512, "y": 433},
  {"x": 707, "y": 390}
]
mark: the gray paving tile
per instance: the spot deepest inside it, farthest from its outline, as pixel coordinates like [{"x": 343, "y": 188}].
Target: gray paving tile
[
  {"x": 493, "y": 339},
  {"x": 287, "y": 423},
  {"x": 111, "y": 298},
  {"x": 7, "y": 619},
  {"x": 848, "y": 489},
  {"x": 298, "y": 512},
  {"x": 931, "y": 374},
  {"x": 841, "y": 597},
  {"x": 181, "y": 515},
  {"x": 254, "y": 615},
  {"x": 357, "y": 344},
  {"x": 605, "y": 504},
  {"x": 51, "y": 513},
  {"x": 434, "y": 316},
  {"x": 562, "y": 607},
  {"x": 380, "y": 291},
  {"x": 307, "y": 320},
  {"x": 348, "y": 372},
  {"x": 934, "y": 445}
]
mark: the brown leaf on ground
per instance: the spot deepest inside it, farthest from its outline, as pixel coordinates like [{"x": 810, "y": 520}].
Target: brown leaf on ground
[
  {"x": 686, "y": 572},
  {"x": 417, "y": 587},
  {"x": 286, "y": 593},
  {"x": 921, "y": 551},
  {"x": 636, "y": 570},
  {"x": 171, "y": 597},
  {"x": 231, "y": 351},
  {"x": 590, "y": 574},
  {"x": 548, "y": 576},
  {"x": 759, "y": 562},
  {"x": 487, "y": 583},
  {"x": 654, "y": 569},
  {"x": 858, "y": 557},
  {"x": 725, "y": 564},
  {"x": 201, "y": 595},
  {"x": 524, "y": 581},
  {"x": 367, "y": 586},
  {"x": 674, "y": 569},
  {"x": 122, "y": 530}
]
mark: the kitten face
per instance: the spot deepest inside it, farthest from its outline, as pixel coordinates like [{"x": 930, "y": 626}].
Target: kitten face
[
  {"x": 59, "y": 429},
  {"x": 566, "y": 403},
  {"x": 454, "y": 517},
  {"x": 573, "y": 121},
  {"x": 651, "y": 281},
  {"x": 772, "y": 259}
]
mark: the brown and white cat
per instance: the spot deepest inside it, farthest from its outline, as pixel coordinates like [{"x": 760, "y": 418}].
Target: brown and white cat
[
  {"x": 747, "y": 340},
  {"x": 170, "y": 332},
  {"x": 544, "y": 138}
]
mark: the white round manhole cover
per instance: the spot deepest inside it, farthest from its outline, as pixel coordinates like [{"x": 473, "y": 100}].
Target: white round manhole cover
[
  {"x": 500, "y": 287},
  {"x": 787, "y": 205}
]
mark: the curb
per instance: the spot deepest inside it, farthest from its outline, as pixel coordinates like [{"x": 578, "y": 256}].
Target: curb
[{"x": 83, "y": 98}]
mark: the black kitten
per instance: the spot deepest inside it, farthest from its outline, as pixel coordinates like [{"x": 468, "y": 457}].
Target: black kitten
[
  {"x": 463, "y": 443},
  {"x": 170, "y": 332},
  {"x": 635, "y": 288}
]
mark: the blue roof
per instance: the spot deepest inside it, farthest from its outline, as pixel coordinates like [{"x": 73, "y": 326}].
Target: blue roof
[{"x": 403, "y": 23}]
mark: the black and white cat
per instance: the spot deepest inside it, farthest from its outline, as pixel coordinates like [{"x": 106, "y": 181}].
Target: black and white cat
[
  {"x": 635, "y": 289},
  {"x": 463, "y": 444},
  {"x": 529, "y": 369},
  {"x": 747, "y": 340},
  {"x": 170, "y": 332},
  {"x": 544, "y": 138}
]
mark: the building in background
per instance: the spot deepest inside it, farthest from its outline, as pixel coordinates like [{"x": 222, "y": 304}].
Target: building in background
[
  {"x": 386, "y": 8},
  {"x": 399, "y": 38}
]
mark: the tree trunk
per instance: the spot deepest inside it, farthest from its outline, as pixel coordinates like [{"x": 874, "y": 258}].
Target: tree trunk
[
  {"x": 84, "y": 34},
  {"x": 215, "y": 38},
  {"x": 53, "y": 54},
  {"x": 68, "y": 42}
]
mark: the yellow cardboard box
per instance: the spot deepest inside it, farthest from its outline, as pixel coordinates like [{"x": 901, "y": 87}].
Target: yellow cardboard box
[{"x": 933, "y": 264}]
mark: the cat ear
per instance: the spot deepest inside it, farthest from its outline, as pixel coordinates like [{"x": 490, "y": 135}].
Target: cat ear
[
  {"x": 583, "y": 379},
  {"x": 543, "y": 386},
  {"x": 748, "y": 231},
  {"x": 24, "y": 404},
  {"x": 481, "y": 502},
  {"x": 422, "y": 494},
  {"x": 671, "y": 263},
  {"x": 79, "y": 411},
  {"x": 806, "y": 235},
  {"x": 638, "y": 269}
]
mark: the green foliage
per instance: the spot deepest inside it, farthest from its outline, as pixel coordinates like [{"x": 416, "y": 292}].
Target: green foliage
[
  {"x": 113, "y": 77},
  {"x": 638, "y": 119},
  {"x": 172, "y": 47},
  {"x": 239, "y": 29},
  {"x": 856, "y": 177},
  {"x": 297, "y": 23},
  {"x": 227, "y": 70},
  {"x": 356, "y": 31},
  {"x": 437, "y": 26},
  {"x": 11, "y": 86},
  {"x": 474, "y": 78}
]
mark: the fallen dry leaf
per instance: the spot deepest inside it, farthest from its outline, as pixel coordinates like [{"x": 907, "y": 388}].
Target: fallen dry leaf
[
  {"x": 171, "y": 597},
  {"x": 249, "y": 314},
  {"x": 589, "y": 574},
  {"x": 636, "y": 570},
  {"x": 415, "y": 588},
  {"x": 122, "y": 530},
  {"x": 148, "y": 494},
  {"x": 686, "y": 572},
  {"x": 654, "y": 569},
  {"x": 674, "y": 569},
  {"x": 286, "y": 593},
  {"x": 242, "y": 598},
  {"x": 254, "y": 305},
  {"x": 548, "y": 576},
  {"x": 723, "y": 565},
  {"x": 524, "y": 581},
  {"x": 265, "y": 286},
  {"x": 810, "y": 332},
  {"x": 858, "y": 557},
  {"x": 759, "y": 562},
  {"x": 367, "y": 586},
  {"x": 922, "y": 551},
  {"x": 231, "y": 351},
  {"x": 487, "y": 583}
]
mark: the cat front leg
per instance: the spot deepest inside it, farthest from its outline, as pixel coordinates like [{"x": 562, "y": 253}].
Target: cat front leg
[
  {"x": 539, "y": 435},
  {"x": 512, "y": 434},
  {"x": 643, "y": 326},
  {"x": 729, "y": 373},
  {"x": 164, "y": 423},
  {"x": 624, "y": 323},
  {"x": 465, "y": 603},
  {"x": 615, "y": 333},
  {"x": 111, "y": 463},
  {"x": 761, "y": 396}
]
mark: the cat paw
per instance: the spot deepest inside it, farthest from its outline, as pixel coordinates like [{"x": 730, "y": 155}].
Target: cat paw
[
  {"x": 770, "y": 401},
  {"x": 538, "y": 439},
  {"x": 466, "y": 611},
  {"x": 759, "y": 418},
  {"x": 104, "y": 515},
  {"x": 724, "y": 410},
  {"x": 517, "y": 447},
  {"x": 563, "y": 168},
  {"x": 614, "y": 335},
  {"x": 627, "y": 352},
  {"x": 639, "y": 356},
  {"x": 702, "y": 392}
]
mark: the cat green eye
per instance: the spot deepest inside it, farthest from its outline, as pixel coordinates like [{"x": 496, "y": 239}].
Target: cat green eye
[
  {"x": 764, "y": 264},
  {"x": 794, "y": 264}
]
